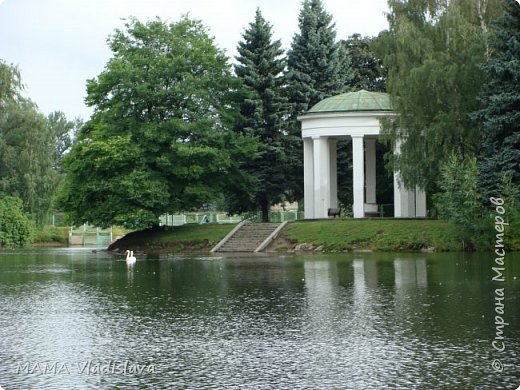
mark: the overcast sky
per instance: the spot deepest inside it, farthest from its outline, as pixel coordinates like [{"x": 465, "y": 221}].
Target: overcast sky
[{"x": 59, "y": 44}]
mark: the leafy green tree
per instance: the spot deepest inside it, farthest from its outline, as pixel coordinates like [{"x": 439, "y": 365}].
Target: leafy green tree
[
  {"x": 432, "y": 52},
  {"x": 107, "y": 177},
  {"x": 26, "y": 158},
  {"x": 64, "y": 132},
  {"x": 260, "y": 68},
  {"x": 459, "y": 197},
  {"x": 16, "y": 227},
  {"x": 28, "y": 148},
  {"x": 368, "y": 71},
  {"x": 10, "y": 83},
  {"x": 499, "y": 117},
  {"x": 158, "y": 140}
]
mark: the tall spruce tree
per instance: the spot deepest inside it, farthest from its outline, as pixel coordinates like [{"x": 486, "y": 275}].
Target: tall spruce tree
[
  {"x": 500, "y": 116},
  {"x": 260, "y": 68},
  {"x": 318, "y": 66},
  {"x": 368, "y": 71}
]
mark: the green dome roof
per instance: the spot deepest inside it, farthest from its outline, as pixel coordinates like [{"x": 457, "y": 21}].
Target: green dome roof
[{"x": 354, "y": 101}]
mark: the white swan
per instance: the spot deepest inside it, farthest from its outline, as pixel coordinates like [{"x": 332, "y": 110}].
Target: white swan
[{"x": 130, "y": 259}]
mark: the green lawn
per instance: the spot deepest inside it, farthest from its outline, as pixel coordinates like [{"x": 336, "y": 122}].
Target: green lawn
[
  {"x": 186, "y": 238},
  {"x": 378, "y": 235}
]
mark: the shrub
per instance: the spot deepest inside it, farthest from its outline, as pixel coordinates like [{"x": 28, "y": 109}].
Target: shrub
[
  {"x": 16, "y": 227},
  {"x": 459, "y": 200}
]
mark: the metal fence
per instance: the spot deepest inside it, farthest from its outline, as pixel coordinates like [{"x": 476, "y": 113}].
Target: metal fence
[
  {"x": 384, "y": 210},
  {"x": 200, "y": 218},
  {"x": 277, "y": 216},
  {"x": 90, "y": 235},
  {"x": 222, "y": 217}
]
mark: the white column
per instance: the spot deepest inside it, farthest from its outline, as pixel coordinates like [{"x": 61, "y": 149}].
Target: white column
[
  {"x": 321, "y": 177},
  {"x": 407, "y": 203},
  {"x": 358, "y": 179},
  {"x": 333, "y": 146},
  {"x": 398, "y": 211},
  {"x": 370, "y": 151},
  {"x": 308, "y": 177},
  {"x": 420, "y": 203},
  {"x": 404, "y": 200}
]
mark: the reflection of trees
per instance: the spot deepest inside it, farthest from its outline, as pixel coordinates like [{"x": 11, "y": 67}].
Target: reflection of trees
[
  {"x": 461, "y": 295},
  {"x": 211, "y": 290}
]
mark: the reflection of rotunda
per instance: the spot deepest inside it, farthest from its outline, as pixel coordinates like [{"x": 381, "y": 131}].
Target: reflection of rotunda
[{"x": 352, "y": 115}]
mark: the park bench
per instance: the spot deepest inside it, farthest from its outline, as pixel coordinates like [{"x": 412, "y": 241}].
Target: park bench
[{"x": 333, "y": 212}]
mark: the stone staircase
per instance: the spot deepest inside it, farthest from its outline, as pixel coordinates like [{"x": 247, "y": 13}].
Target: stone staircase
[{"x": 247, "y": 238}]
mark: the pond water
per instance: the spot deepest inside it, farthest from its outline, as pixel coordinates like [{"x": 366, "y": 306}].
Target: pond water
[{"x": 74, "y": 319}]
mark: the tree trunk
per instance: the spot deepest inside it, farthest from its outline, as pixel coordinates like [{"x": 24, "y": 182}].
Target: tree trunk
[
  {"x": 481, "y": 11},
  {"x": 265, "y": 210}
]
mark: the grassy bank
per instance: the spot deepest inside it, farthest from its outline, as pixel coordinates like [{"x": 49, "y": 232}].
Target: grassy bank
[
  {"x": 377, "y": 235},
  {"x": 186, "y": 238},
  {"x": 327, "y": 235}
]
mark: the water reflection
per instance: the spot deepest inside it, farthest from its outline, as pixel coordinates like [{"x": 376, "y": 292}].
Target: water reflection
[
  {"x": 338, "y": 321},
  {"x": 410, "y": 272},
  {"x": 130, "y": 273},
  {"x": 320, "y": 285}
]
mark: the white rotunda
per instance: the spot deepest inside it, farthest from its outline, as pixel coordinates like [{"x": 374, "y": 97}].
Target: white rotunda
[{"x": 355, "y": 115}]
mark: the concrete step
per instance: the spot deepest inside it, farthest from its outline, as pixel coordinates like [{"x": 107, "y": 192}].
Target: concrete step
[
  {"x": 248, "y": 237},
  {"x": 241, "y": 246}
]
